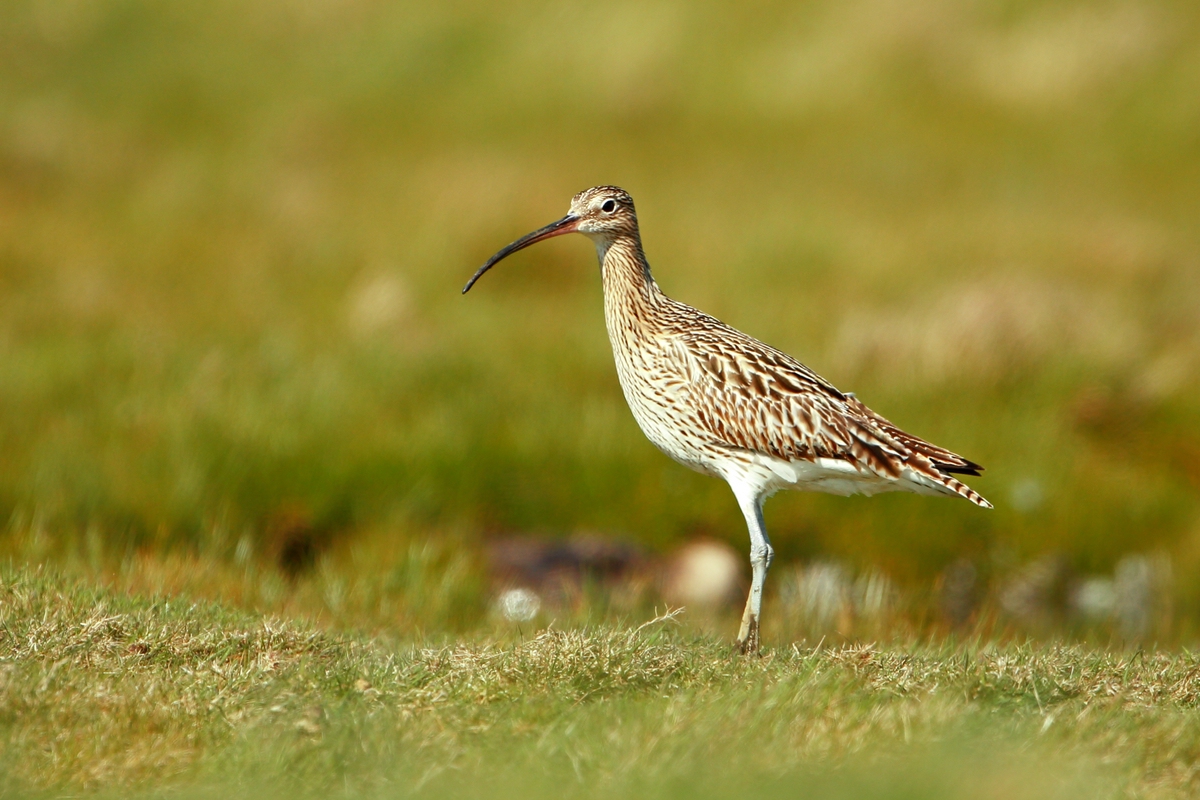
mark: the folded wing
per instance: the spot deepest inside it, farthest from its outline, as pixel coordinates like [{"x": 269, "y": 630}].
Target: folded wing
[{"x": 749, "y": 396}]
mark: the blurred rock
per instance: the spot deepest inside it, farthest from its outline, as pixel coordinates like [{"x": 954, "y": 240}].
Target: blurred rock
[
  {"x": 958, "y": 591},
  {"x": 705, "y": 574},
  {"x": 518, "y": 605},
  {"x": 557, "y": 570},
  {"x": 1137, "y": 599},
  {"x": 293, "y": 540},
  {"x": 1039, "y": 592},
  {"x": 1141, "y": 594},
  {"x": 1094, "y": 598}
]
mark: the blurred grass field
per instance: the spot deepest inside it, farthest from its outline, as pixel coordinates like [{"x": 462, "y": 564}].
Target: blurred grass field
[
  {"x": 254, "y": 445},
  {"x": 232, "y": 237}
]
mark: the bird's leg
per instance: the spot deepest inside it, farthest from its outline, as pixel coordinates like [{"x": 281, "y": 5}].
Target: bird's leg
[{"x": 761, "y": 554}]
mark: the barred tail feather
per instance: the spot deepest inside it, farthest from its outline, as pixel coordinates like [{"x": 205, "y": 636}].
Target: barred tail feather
[
  {"x": 934, "y": 481},
  {"x": 962, "y": 490}
]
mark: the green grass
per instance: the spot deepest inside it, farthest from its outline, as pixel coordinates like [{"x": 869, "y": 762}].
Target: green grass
[{"x": 127, "y": 694}]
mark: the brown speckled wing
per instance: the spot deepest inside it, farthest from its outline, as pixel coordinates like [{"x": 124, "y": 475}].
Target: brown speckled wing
[
  {"x": 944, "y": 460},
  {"x": 750, "y": 396}
]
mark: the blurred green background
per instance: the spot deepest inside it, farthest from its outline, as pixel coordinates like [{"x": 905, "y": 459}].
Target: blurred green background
[{"x": 233, "y": 235}]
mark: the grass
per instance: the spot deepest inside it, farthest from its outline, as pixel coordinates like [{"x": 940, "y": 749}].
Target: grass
[{"x": 128, "y": 694}]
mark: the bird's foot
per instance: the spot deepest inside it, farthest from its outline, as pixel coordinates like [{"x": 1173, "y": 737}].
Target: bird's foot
[{"x": 747, "y": 644}]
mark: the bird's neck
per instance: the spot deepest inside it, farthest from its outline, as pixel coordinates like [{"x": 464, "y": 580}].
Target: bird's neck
[
  {"x": 625, "y": 273},
  {"x": 632, "y": 300}
]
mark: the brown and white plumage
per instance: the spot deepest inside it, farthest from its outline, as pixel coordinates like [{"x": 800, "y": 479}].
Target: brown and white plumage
[{"x": 727, "y": 405}]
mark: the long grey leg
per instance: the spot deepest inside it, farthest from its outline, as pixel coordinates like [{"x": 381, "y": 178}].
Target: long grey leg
[{"x": 761, "y": 554}]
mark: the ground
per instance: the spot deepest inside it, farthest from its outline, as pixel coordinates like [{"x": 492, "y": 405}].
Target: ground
[{"x": 136, "y": 695}]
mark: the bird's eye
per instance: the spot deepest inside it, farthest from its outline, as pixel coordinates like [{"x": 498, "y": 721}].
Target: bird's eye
[{"x": 608, "y": 206}]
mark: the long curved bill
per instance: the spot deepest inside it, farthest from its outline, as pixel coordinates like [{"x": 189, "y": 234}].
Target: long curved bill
[{"x": 568, "y": 224}]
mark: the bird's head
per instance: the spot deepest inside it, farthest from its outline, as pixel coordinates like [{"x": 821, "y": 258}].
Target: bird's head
[{"x": 602, "y": 213}]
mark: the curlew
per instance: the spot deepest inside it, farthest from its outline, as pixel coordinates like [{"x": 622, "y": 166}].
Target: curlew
[{"x": 727, "y": 405}]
